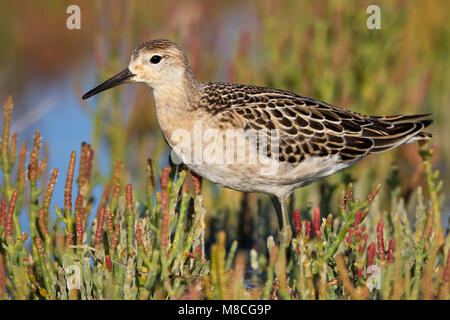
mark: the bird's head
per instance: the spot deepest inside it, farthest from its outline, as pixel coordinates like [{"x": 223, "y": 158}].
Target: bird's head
[{"x": 157, "y": 63}]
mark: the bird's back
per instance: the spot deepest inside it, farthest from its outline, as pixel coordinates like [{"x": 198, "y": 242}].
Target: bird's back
[{"x": 309, "y": 127}]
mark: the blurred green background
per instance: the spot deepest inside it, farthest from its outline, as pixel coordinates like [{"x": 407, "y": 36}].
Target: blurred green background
[{"x": 321, "y": 49}]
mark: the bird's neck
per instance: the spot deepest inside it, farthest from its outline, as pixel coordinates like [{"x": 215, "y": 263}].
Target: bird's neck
[{"x": 173, "y": 101}]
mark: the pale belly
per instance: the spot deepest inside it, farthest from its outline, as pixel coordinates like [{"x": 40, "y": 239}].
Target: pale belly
[{"x": 275, "y": 178}]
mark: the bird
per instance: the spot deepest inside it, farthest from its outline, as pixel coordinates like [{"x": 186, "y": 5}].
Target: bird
[{"x": 303, "y": 139}]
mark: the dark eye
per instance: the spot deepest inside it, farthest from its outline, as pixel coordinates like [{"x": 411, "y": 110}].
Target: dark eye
[{"x": 155, "y": 59}]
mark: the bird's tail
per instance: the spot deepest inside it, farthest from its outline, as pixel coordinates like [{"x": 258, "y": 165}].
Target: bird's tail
[{"x": 393, "y": 131}]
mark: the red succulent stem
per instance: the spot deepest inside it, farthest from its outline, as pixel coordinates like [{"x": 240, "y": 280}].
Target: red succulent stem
[
  {"x": 78, "y": 203},
  {"x": 108, "y": 262},
  {"x": 429, "y": 226},
  {"x": 358, "y": 218},
  {"x": 21, "y": 172},
  {"x": 50, "y": 188},
  {"x": 190, "y": 255},
  {"x": 13, "y": 149},
  {"x": 34, "y": 159},
  {"x": 139, "y": 236},
  {"x": 115, "y": 238},
  {"x": 165, "y": 177},
  {"x": 3, "y": 212},
  {"x": 129, "y": 197},
  {"x": 373, "y": 193},
  {"x": 39, "y": 246},
  {"x": 317, "y": 231},
  {"x": 99, "y": 231},
  {"x": 297, "y": 222},
  {"x": 364, "y": 214},
  {"x": 370, "y": 254},
  {"x": 308, "y": 229},
  {"x": 116, "y": 183},
  {"x": 348, "y": 239},
  {"x": 68, "y": 191},
  {"x": 109, "y": 221},
  {"x": 391, "y": 251},
  {"x": 80, "y": 225},
  {"x": 363, "y": 242},
  {"x": 198, "y": 251},
  {"x": 380, "y": 241},
  {"x": 42, "y": 220},
  {"x": 69, "y": 239},
  {"x": 358, "y": 235},
  {"x": 359, "y": 272},
  {"x": 196, "y": 182},
  {"x": 130, "y": 219},
  {"x": 9, "y": 225}
]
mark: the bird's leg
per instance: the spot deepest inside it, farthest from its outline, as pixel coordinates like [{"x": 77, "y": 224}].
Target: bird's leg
[
  {"x": 286, "y": 230},
  {"x": 283, "y": 219}
]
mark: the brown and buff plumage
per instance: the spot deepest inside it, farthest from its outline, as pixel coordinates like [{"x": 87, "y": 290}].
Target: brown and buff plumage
[
  {"x": 309, "y": 127},
  {"x": 315, "y": 139}
]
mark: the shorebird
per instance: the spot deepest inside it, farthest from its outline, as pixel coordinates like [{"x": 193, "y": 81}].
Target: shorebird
[{"x": 315, "y": 139}]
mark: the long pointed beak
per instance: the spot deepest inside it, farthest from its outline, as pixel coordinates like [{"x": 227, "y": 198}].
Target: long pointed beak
[{"x": 120, "y": 78}]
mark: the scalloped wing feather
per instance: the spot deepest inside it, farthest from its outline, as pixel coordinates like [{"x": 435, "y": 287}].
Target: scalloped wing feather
[{"x": 309, "y": 127}]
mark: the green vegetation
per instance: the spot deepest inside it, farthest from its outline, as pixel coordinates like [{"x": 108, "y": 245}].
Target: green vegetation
[{"x": 154, "y": 247}]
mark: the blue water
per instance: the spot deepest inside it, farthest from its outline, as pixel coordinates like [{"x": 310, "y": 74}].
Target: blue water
[{"x": 55, "y": 110}]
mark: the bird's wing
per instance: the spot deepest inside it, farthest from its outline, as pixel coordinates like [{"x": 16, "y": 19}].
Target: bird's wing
[{"x": 309, "y": 127}]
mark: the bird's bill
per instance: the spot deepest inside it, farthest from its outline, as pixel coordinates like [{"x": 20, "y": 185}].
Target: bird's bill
[{"x": 120, "y": 78}]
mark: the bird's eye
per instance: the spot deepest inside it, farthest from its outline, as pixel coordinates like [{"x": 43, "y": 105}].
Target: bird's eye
[{"x": 155, "y": 59}]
